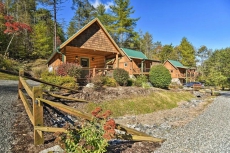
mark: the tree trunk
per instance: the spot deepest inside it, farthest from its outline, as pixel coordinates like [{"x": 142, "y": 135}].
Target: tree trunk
[{"x": 5, "y": 55}]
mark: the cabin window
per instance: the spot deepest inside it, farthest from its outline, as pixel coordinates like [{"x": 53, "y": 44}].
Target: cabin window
[
  {"x": 84, "y": 62},
  {"x": 125, "y": 64}
]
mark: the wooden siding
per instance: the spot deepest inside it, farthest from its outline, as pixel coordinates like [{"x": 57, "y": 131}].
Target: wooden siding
[
  {"x": 95, "y": 61},
  {"x": 94, "y": 38},
  {"x": 55, "y": 61},
  {"x": 181, "y": 72},
  {"x": 173, "y": 71}
]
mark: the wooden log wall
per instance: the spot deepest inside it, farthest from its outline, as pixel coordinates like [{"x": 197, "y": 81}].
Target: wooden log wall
[{"x": 95, "y": 61}]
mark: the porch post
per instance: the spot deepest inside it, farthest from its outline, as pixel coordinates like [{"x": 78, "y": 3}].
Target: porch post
[
  {"x": 186, "y": 75},
  {"x": 94, "y": 72},
  {"x": 142, "y": 66},
  {"x": 117, "y": 61}
]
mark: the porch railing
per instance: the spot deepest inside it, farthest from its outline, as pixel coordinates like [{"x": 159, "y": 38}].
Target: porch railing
[
  {"x": 138, "y": 70},
  {"x": 184, "y": 75},
  {"x": 91, "y": 72}
]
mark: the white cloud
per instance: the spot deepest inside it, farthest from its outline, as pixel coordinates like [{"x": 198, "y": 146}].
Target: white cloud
[{"x": 98, "y": 2}]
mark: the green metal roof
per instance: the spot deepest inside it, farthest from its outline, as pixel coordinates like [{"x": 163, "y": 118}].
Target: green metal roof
[
  {"x": 177, "y": 64},
  {"x": 134, "y": 53}
]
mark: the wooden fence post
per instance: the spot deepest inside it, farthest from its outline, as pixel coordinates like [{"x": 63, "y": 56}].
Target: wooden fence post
[
  {"x": 37, "y": 115},
  {"x": 21, "y": 73}
]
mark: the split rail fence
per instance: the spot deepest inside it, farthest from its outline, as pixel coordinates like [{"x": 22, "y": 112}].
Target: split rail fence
[{"x": 35, "y": 111}]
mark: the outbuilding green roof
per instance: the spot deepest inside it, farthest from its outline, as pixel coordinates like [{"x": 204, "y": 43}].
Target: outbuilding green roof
[
  {"x": 177, "y": 64},
  {"x": 134, "y": 53}
]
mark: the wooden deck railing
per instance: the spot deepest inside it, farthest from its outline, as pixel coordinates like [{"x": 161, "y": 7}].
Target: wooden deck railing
[
  {"x": 34, "y": 109},
  {"x": 181, "y": 75},
  {"x": 97, "y": 71},
  {"x": 138, "y": 71}
]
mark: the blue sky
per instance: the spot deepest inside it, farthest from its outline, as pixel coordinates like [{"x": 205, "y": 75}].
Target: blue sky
[{"x": 202, "y": 22}]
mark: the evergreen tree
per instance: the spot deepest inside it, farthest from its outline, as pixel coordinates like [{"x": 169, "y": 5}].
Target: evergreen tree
[
  {"x": 146, "y": 45},
  {"x": 104, "y": 17},
  {"x": 42, "y": 41},
  {"x": 166, "y": 53},
  {"x": 122, "y": 29},
  {"x": 187, "y": 53},
  {"x": 84, "y": 13},
  {"x": 54, "y": 4}
]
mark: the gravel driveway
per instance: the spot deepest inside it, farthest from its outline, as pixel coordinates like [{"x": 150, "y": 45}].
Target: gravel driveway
[
  {"x": 208, "y": 133},
  {"x": 8, "y": 98}
]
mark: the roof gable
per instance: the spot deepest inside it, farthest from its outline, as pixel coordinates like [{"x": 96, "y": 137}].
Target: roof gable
[
  {"x": 94, "y": 32},
  {"x": 92, "y": 36},
  {"x": 134, "y": 54},
  {"x": 177, "y": 64}
]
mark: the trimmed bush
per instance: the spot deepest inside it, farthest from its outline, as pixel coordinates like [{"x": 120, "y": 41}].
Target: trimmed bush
[
  {"x": 140, "y": 80},
  {"x": 109, "y": 82},
  {"x": 121, "y": 76},
  {"x": 70, "y": 69},
  {"x": 65, "y": 81},
  {"x": 159, "y": 76}
]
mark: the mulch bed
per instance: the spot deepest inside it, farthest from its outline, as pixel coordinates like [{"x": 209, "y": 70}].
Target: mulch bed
[{"x": 22, "y": 131}]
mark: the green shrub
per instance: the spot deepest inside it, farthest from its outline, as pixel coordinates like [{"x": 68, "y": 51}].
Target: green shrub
[
  {"x": 174, "y": 85},
  {"x": 159, "y": 76},
  {"x": 97, "y": 81},
  {"x": 140, "y": 80},
  {"x": 109, "y": 82},
  {"x": 89, "y": 136},
  {"x": 121, "y": 76},
  {"x": 8, "y": 64},
  {"x": 71, "y": 69},
  {"x": 130, "y": 82},
  {"x": 65, "y": 81},
  {"x": 37, "y": 71}
]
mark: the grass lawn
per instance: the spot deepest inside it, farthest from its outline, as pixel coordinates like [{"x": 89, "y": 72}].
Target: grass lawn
[
  {"x": 4, "y": 76},
  {"x": 143, "y": 104}
]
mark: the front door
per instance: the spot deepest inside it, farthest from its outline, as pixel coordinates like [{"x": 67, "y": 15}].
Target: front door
[{"x": 85, "y": 65}]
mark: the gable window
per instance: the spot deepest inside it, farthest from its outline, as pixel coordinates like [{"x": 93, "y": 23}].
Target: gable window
[
  {"x": 171, "y": 71},
  {"x": 125, "y": 64}
]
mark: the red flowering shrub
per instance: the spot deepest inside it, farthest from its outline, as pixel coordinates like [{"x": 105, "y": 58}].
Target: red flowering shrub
[{"x": 70, "y": 69}]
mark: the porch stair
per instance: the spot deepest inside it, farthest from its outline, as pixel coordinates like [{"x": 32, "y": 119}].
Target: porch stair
[{"x": 82, "y": 81}]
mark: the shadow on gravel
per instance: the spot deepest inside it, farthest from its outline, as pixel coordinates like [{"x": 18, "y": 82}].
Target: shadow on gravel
[
  {"x": 11, "y": 88},
  {"x": 225, "y": 94}
]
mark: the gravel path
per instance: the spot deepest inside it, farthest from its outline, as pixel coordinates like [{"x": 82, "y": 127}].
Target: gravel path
[
  {"x": 8, "y": 98},
  {"x": 208, "y": 133}
]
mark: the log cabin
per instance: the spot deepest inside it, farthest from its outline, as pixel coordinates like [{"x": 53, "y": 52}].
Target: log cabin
[
  {"x": 91, "y": 47},
  {"x": 180, "y": 73},
  {"x": 94, "y": 49},
  {"x": 135, "y": 62}
]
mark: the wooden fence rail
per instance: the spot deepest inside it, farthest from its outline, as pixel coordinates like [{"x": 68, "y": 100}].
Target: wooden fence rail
[{"x": 35, "y": 112}]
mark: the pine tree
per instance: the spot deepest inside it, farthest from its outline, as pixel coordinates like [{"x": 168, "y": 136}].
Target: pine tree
[
  {"x": 84, "y": 13},
  {"x": 42, "y": 41},
  {"x": 54, "y": 4},
  {"x": 187, "y": 53},
  {"x": 123, "y": 25}
]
